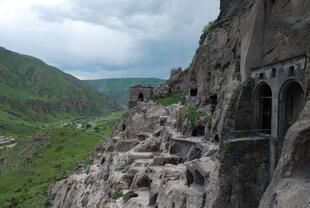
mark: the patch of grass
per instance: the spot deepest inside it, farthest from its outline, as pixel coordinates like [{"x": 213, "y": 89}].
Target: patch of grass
[
  {"x": 27, "y": 170},
  {"x": 117, "y": 195},
  {"x": 172, "y": 98},
  {"x": 192, "y": 113}
]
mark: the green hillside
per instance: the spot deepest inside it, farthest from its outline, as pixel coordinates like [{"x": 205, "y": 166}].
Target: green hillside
[
  {"x": 33, "y": 91},
  {"x": 118, "y": 89}
]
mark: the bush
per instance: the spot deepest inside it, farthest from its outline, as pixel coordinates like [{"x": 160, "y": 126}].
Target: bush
[
  {"x": 208, "y": 27},
  {"x": 117, "y": 195}
]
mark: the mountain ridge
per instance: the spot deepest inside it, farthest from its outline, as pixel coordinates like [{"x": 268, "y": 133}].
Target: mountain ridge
[{"x": 37, "y": 90}]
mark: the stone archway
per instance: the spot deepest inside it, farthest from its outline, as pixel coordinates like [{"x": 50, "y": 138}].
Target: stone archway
[
  {"x": 141, "y": 97},
  {"x": 291, "y": 103},
  {"x": 263, "y": 105},
  {"x": 291, "y": 99}
]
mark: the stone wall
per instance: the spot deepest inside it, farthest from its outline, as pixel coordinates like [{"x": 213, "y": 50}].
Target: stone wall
[{"x": 244, "y": 173}]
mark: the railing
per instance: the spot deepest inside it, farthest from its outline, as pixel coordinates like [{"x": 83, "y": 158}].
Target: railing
[{"x": 251, "y": 133}]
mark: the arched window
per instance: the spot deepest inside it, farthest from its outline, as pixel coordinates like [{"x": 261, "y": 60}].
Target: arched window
[
  {"x": 291, "y": 104},
  {"x": 264, "y": 108},
  {"x": 141, "y": 97}
]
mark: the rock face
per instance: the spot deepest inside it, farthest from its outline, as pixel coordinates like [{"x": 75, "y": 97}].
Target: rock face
[{"x": 244, "y": 144}]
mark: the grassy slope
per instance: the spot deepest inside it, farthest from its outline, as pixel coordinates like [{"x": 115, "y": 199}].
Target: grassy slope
[
  {"x": 118, "y": 89},
  {"x": 34, "y": 91},
  {"x": 37, "y": 161}
]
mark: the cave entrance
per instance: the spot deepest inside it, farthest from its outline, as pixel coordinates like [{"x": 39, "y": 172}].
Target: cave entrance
[
  {"x": 264, "y": 108},
  {"x": 194, "y": 92},
  {"x": 141, "y": 97},
  {"x": 198, "y": 131}
]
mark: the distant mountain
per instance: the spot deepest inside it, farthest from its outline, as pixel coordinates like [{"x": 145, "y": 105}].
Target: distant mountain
[
  {"x": 118, "y": 89},
  {"x": 31, "y": 90}
]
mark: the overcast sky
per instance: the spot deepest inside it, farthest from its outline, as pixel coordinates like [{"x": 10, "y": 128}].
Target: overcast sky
[{"x": 93, "y": 39}]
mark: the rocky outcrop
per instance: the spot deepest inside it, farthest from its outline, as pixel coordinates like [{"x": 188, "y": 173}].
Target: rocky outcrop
[{"x": 138, "y": 167}]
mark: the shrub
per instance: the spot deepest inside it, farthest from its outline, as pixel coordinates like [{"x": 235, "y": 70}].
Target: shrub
[
  {"x": 208, "y": 27},
  {"x": 117, "y": 195}
]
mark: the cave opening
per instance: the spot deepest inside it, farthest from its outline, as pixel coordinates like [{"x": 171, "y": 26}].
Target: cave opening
[
  {"x": 194, "y": 92},
  {"x": 141, "y": 97},
  {"x": 198, "y": 131}
]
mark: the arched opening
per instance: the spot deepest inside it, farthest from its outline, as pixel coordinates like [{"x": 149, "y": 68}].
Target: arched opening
[
  {"x": 141, "y": 97},
  {"x": 291, "y": 104},
  {"x": 123, "y": 127},
  {"x": 264, "y": 108},
  {"x": 292, "y": 100}
]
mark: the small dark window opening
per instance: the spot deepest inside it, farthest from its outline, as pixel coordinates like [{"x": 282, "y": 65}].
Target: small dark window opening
[
  {"x": 213, "y": 99},
  {"x": 123, "y": 127},
  {"x": 198, "y": 131},
  {"x": 102, "y": 160},
  {"x": 217, "y": 139},
  {"x": 141, "y": 97},
  {"x": 261, "y": 75},
  {"x": 274, "y": 73},
  {"x": 194, "y": 92},
  {"x": 291, "y": 71}
]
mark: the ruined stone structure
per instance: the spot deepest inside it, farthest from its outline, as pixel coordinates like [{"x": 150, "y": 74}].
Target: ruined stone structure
[{"x": 140, "y": 93}]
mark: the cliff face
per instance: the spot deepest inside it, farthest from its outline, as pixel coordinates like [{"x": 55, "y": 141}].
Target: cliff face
[{"x": 222, "y": 158}]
